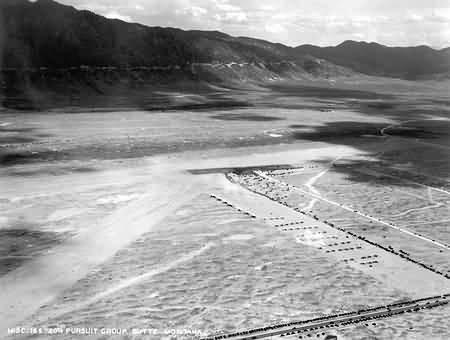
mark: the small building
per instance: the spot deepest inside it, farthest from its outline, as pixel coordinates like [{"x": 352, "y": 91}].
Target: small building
[{"x": 330, "y": 337}]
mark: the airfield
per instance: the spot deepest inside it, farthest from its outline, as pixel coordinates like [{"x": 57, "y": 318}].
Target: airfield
[{"x": 299, "y": 212}]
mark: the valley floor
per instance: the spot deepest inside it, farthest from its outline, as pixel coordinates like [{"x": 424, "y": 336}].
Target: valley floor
[{"x": 216, "y": 221}]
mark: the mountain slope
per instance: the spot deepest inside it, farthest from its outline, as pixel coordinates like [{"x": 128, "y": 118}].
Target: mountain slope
[
  {"x": 376, "y": 59},
  {"x": 47, "y": 34},
  {"x": 52, "y": 54}
]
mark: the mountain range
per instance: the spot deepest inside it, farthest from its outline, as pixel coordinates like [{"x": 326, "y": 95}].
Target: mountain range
[
  {"x": 376, "y": 59},
  {"x": 44, "y": 39}
]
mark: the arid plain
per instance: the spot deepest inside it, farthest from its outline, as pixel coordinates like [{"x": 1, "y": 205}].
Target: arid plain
[{"x": 233, "y": 211}]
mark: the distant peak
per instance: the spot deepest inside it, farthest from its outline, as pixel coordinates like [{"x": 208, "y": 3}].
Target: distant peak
[
  {"x": 42, "y": 1},
  {"x": 357, "y": 43},
  {"x": 28, "y": 2}
]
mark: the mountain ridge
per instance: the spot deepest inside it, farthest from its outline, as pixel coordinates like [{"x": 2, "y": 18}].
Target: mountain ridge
[
  {"x": 380, "y": 60},
  {"x": 51, "y": 52},
  {"x": 46, "y": 33}
]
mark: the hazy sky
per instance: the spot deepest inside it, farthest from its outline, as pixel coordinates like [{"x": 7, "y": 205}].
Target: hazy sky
[{"x": 293, "y": 22}]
